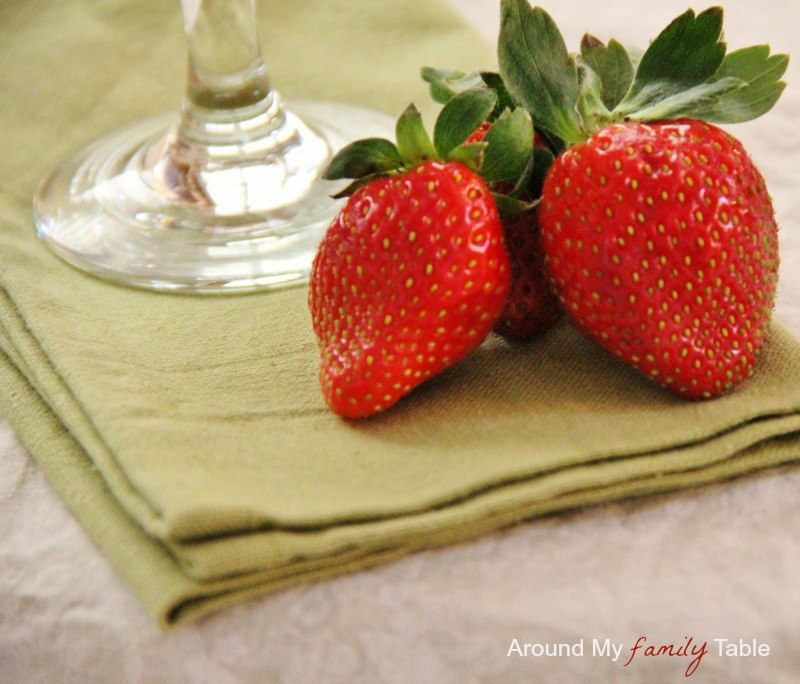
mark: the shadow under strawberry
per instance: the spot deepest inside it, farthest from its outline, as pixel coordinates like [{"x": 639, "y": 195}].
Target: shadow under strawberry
[{"x": 577, "y": 397}]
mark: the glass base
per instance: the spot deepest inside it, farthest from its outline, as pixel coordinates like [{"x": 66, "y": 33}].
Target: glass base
[{"x": 131, "y": 208}]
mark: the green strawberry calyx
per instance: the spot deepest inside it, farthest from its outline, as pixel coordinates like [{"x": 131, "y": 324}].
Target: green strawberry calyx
[
  {"x": 685, "y": 72},
  {"x": 446, "y": 83},
  {"x": 505, "y": 154}
]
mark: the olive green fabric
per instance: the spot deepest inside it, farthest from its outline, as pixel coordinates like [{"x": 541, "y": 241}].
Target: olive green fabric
[{"x": 189, "y": 435}]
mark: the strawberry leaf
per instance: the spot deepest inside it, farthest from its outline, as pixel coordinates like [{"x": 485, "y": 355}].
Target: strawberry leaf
[
  {"x": 761, "y": 73},
  {"x": 520, "y": 190},
  {"x": 594, "y": 113},
  {"x": 510, "y": 145},
  {"x": 542, "y": 160},
  {"x": 363, "y": 158},
  {"x": 470, "y": 155},
  {"x": 612, "y": 65},
  {"x": 532, "y": 178},
  {"x": 537, "y": 69},
  {"x": 507, "y": 205},
  {"x": 494, "y": 81},
  {"x": 356, "y": 184},
  {"x": 413, "y": 143},
  {"x": 555, "y": 144},
  {"x": 684, "y": 55},
  {"x": 635, "y": 54},
  {"x": 689, "y": 103},
  {"x": 460, "y": 117},
  {"x": 445, "y": 83}
]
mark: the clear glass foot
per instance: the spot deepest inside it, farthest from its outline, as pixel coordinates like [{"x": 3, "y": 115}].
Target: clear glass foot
[{"x": 214, "y": 203}]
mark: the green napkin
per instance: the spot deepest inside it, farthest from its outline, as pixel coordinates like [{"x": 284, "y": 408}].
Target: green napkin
[{"x": 189, "y": 435}]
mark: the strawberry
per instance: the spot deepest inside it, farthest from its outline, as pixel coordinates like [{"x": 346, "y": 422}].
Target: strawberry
[
  {"x": 410, "y": 278},
  {"x": 413, "y": 272},
  {"x": 532, "y": 306},
  {"x": 662, "y": 244},
  {"x": 658, "y": 230}
]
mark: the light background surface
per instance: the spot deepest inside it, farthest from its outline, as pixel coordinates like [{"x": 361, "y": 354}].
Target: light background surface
[{"x": 720, "y": 562}]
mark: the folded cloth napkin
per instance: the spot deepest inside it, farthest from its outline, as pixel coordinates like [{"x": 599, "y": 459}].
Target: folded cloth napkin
[{"x": 189, "y": 435}]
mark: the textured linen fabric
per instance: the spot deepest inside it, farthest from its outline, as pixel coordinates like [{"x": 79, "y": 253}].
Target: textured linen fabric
[{"x": 188, "y": 434}]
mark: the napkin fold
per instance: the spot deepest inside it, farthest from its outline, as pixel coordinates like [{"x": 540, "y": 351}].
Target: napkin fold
[{"x": 189, "y": 435}]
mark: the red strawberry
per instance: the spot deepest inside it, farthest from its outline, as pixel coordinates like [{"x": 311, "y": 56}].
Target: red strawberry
[
  {"x": 662, "y": 244},
  {"x": 532, "y": 306},
  {"x": 413, "y": 272},
  {"x": 410, "y": 278},
  {"x": 660, "y": 237}
]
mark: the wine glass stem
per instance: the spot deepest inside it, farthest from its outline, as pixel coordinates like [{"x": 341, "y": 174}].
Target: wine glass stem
[
  {"x": 228, "y": 96},
  {"x": 226, "y": 70}
]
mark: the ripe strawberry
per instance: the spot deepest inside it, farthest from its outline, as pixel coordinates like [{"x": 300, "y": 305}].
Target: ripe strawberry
[
  {"x": 413, "y": 272},
  {"x": 662, "y": 244},
  {"x": 410, "y": 278},
  {"x": 660, "y": 237},
  {"x": 532, "y": 306}
]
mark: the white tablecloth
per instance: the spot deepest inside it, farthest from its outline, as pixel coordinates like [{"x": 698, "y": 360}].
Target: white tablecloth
[{"x": 722, "y": 562}]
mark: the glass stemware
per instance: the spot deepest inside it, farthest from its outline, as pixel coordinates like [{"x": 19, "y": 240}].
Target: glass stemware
[{"x": 226, "y": 198}]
